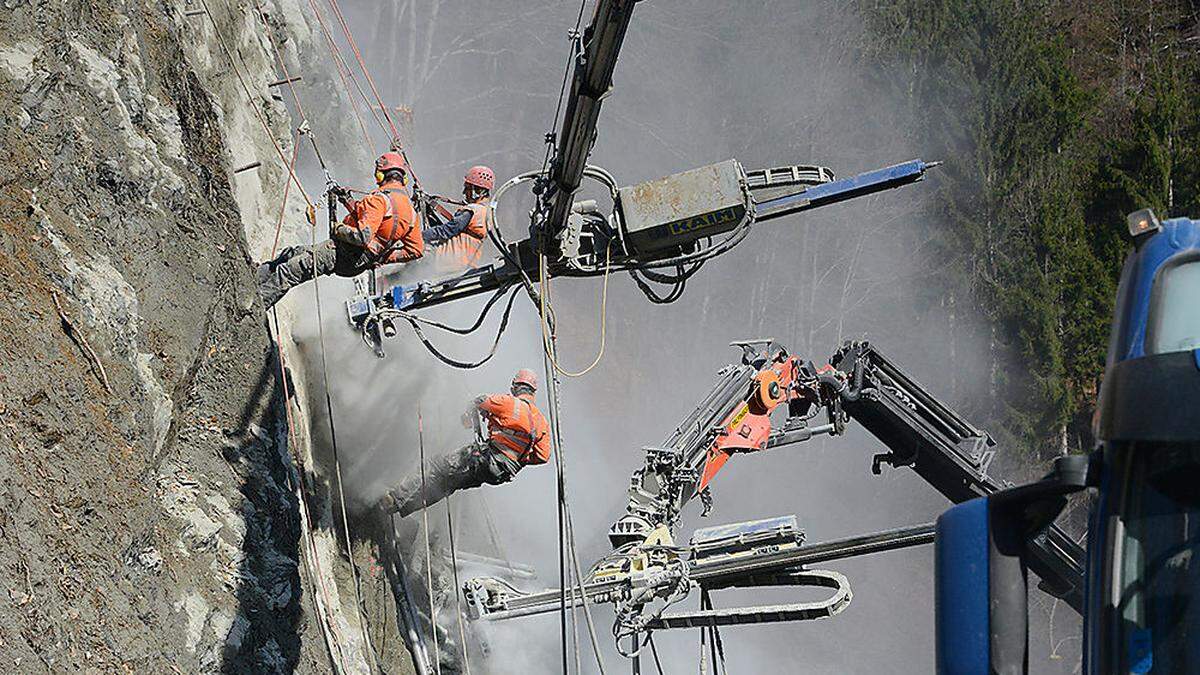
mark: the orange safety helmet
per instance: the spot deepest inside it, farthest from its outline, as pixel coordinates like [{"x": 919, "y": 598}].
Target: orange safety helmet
[
  {"x": 525, "y": 376},
  {"x": 389, "y": 161},
  {"x": 481, "y": 177}
]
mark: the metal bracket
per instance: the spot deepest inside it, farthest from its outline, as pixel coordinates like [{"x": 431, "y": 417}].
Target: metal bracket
[{"x": 754, "y": 349}]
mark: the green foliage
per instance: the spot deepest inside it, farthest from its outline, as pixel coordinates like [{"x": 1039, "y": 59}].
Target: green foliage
[{"x": 1047, "y": 147}]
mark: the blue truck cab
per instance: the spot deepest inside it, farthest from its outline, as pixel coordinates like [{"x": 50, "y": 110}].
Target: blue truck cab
[
  {"x": 1142, "y": 589},
  {"x": 1142, "y": 611}
]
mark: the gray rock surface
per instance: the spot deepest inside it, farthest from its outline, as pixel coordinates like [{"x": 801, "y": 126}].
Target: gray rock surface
[{"x": 148, "y": 521}]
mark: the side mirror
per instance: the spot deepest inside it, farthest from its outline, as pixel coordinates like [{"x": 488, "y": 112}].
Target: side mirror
[{"x": 981, "y": 594}]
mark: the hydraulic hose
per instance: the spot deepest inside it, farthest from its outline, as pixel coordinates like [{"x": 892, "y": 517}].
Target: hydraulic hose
[{"x": 843, "y": 387}]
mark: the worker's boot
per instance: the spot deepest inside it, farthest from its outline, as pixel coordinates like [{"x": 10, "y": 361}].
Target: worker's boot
[{"x": 292, "y": 267}]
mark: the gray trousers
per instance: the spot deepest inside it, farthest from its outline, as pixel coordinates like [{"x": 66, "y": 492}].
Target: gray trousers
[
  {"x": 468, "y": 467},
  {"x": 298, "y": 264}
]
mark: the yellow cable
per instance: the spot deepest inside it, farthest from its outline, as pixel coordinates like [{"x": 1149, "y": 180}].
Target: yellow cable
[{"x": 545, "y": 305}]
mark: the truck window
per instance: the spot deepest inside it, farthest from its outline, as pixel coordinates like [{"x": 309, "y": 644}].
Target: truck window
[
  {"x": 1175, "y": 312},
  {"x": 1157, "y": 561}
]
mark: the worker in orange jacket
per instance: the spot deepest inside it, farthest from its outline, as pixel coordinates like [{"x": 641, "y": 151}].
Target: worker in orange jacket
[
  {"x": 458, "y": 243},
  {"x": 517, "y": 435},
  {"x": 380, "y": 228}
]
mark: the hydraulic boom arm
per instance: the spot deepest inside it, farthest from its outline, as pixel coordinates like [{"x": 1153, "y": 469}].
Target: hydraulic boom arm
[
  {"x": 672, "y": 223},
  {"x": 857, "y": 384}
]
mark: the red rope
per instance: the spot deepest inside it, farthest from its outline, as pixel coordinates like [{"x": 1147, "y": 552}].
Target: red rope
[
  {"x": 253, "y": 105},
  {"x": 397, "y": 144},
  {"x": 344, "y": 72},
  {"x": 291, "y": 423},
  {"x": 337, "y": 10},
  {"x": 286, "y": 189},
  {"x": 287, "y": 77}
]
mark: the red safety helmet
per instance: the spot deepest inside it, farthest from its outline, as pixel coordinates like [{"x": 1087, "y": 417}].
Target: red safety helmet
[
  {"x": 481, "y": 177},
  {"x": 390, "y": 161},
  {"x": 525, "y": 376}
]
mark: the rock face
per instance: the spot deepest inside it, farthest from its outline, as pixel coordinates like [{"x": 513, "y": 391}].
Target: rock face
[{"x": 148, "y": 517}]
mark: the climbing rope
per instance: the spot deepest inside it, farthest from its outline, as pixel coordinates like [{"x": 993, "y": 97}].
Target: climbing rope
[
  {"x": 566, "y": 540},
  {"x": 654, "y": 653},
  {"x": 428, "y": 553},
  {"x": 716, "y": 647},
  {"x": 710, "y": 637},
  {"x": 583, "y": 599},
  {"x": 362, "y": 65},
  {"x": 552, "y": 408},
  {"x": 462, "y": 630},
  {"x": 566, "y": 534},
  {"x": 345, "y": 75},
  {"x": 294, "y": 179},
  {"x": 287, "y": 186},
  {"x": 251, "y": 101},
  {"x": 291, "y": 82},
  {"x": 306, "y": 130},
  {"x": 337, "y": 464},
  {"x": 327, "y": 626}
]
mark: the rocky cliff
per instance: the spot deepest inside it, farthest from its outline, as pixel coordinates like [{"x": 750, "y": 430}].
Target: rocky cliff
[{"x": 149, "y": 517}]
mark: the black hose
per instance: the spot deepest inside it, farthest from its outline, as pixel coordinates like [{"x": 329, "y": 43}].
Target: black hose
[
  {"x": 674, "y": 294},
  {"x": 841, "y": 387},
  {"x": 465, "y": 365},
  {"x": 478, "y": 320}
]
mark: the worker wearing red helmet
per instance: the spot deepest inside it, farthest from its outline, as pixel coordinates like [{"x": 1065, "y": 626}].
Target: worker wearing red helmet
[
  {"x": 458, "y": 243},
  {"x": 380, "y": 228},
  {"x": 517, "y": 435}
]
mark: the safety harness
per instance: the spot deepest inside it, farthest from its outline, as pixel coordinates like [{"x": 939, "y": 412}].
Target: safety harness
[
  {"x": 388, "y": 215},
  {"x": 523, "y": 439}
]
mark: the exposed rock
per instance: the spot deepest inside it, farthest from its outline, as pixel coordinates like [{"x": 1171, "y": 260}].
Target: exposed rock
[{"x": 154, "y": 527}]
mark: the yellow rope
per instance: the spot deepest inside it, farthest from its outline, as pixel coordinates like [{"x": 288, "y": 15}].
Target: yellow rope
[{"x": 547, "y": 309}]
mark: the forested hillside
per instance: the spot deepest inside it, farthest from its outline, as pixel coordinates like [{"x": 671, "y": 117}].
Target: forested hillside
[{"x": 1055, "y": 118}]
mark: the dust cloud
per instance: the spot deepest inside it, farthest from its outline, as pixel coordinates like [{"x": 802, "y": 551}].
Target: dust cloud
[{"x": 767, "y": 83}]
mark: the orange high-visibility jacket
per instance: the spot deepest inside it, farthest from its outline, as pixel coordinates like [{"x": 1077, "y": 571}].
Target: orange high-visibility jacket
[
  {"x": 516, "y": 427},
  {"x": 385, "y": 223},
  {"x": 465, "y": 249}
]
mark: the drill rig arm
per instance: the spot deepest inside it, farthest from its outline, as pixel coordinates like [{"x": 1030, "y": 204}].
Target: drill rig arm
[
  {"x": 858, "y": 384},
  {"x": 591, "y": 81},
  {"x": 765, "y": 553},
  {"x": 945, "y": 450},
  {"x": 655, "y": 224},
  {"x": 660, "y": 224}
]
